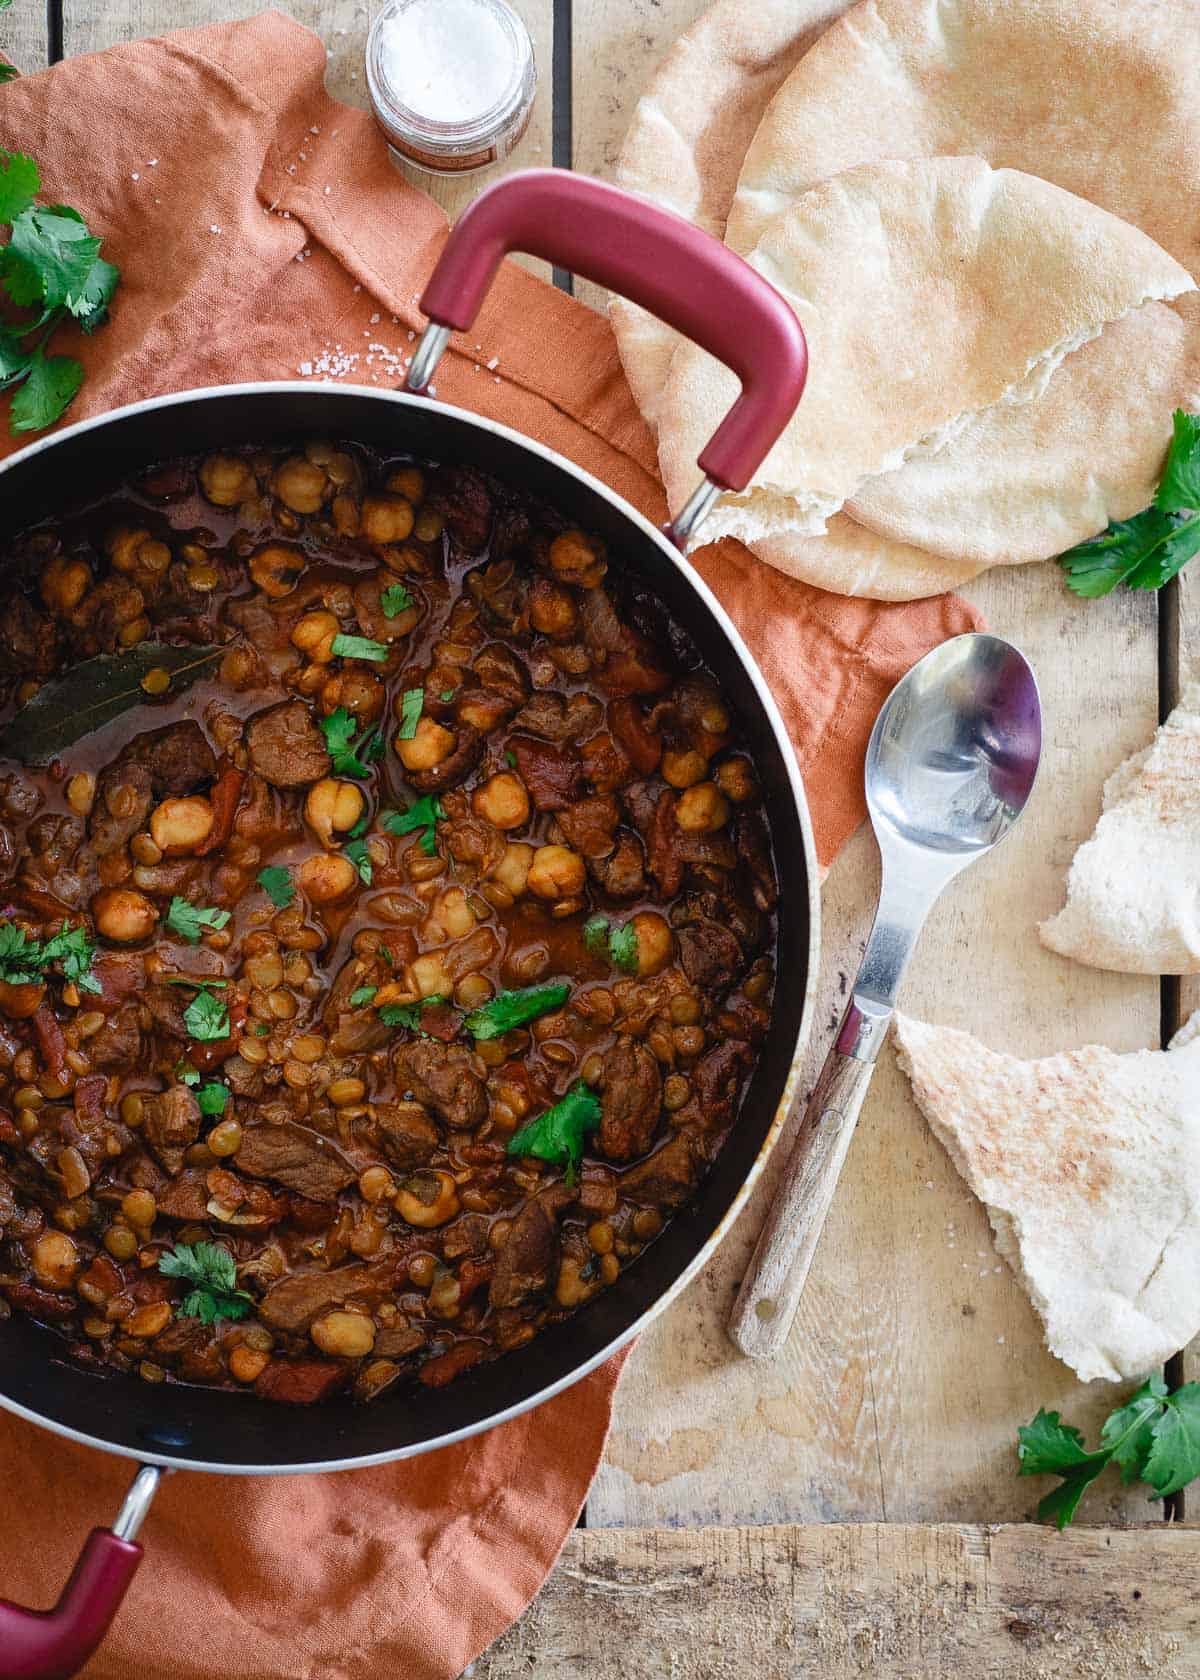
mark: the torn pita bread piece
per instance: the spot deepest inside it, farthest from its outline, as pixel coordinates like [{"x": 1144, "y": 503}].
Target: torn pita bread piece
[
  {"x": 1088, "y": 1163},
  {"x": 1133, "y": 892},
  {"x": 688, "y": 137},
  {"x": 931, "y": 291}
]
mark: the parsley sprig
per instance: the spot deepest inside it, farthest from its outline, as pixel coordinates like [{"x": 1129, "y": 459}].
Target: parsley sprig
[
  {"x": 1153, "y": 1438},
  {"x": 25, "y": 961},
  {"x": 51, "y": 267},
  {"x": 189, "y": 920},
  {"x": 206, "y": 1017},
  {"x": 277, "y": 883},
  {"x": 422, "y": 817},
  {"x": 620, "y": 944},
  {"x": 1148, "y": 550},
  {"x": 514, "y": 1009},
  {"x": 210, "y": 1268},
  {"x": 351, "y": 754},
  {"x": 557, "y": 1135},
  {"x": 409, "y": 1014}
]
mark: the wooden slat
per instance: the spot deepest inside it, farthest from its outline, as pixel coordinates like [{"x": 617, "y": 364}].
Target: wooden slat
[
  {"x": 895, "y": 1603},
  {"x": 342, "y": 26},
  {"x": 23, "y": 35},
  {"x": 915, "y": 1354}
]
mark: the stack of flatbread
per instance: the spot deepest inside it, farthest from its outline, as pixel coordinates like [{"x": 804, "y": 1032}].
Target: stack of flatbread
[
  {"x": 981, "y": 213},
  {"x": 1089, "y": 1166}
]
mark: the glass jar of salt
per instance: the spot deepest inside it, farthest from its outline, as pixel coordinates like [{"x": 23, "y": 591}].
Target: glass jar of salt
[{"x": 451, "y": 81}]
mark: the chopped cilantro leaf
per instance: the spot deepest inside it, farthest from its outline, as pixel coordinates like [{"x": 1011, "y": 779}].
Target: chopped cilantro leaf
[
  {"x": 190, "y": 920},
  {"x": 395, "y": 600},
  {"x": 411, "y": 704},
  {"x": 277, "y": 883},
  {"x": 360, "y": 857},
  {"x": 447, "y": 695},
  {"x": 510, "y": 758},
  {"x": 623, "y": 948},
  {"x": 557, "y": 1135},
  {"x": 595, "y": 935},
  {"x": 206, "y": 1017},
  {"x": 186, "y": 1073},
  {"x": 210, "y": 1267},
  {"x": 362, "y": 996},
  {"x": 360, "y": 827},
  {"x": 350, "y": 752},
  {"x": 24, "y": 961},
  {"x": 212, "y": 1097},
  {"x": 359, "y": 647},
  {"x": 424, "y": 815},
  {"x": 513, "y": 1009},
  {"x": 408, "y": 1014}
]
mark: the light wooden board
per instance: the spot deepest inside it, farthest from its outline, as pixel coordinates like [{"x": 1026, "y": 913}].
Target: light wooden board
[
  {"x": 23, "y": 35},
  {"x": 837, "y": 1603},
  {"x": 342, "y": 26},
  {"x": 915, "y": 1353}
]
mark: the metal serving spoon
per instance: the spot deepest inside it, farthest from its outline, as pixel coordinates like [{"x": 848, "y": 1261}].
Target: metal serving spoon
[{"x": 950, "y": 766}]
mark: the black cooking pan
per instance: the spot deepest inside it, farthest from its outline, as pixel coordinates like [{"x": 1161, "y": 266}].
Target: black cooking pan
[{"x": 692, "y": 281}]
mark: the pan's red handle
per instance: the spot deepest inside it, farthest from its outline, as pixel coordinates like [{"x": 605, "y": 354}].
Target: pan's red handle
[
  {"x": 657, "y": 260},
  {"x": 54, "y": 1644}
]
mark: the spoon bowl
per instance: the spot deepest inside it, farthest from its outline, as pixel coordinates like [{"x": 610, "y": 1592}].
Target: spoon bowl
[{"x": 950, "y": 766}]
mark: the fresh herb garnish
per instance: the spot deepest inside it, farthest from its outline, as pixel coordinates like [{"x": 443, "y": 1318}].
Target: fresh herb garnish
[
  {"x": 278, "y": 885},
  {"x": 360, "y": 857},
  {"x": 24, "y": 961},
  {"x": 619, "y": 943},
  {"x": 350, "y": 753},
  {"x": 446, "y": 695},
  {"x": 51, "y": 266},
  {"x": 206, "y": 1017},
  {"x": 424, "y": 815},
  {"x": 411, "y": 704},
  {"x": 360, "y": 826},
  {"x": 210, "y": 1268},
  {"x": 394, "y": 600},
  {"x": 1154, "y": 1438},
  {"x": 513, "y": 1009},
  {"x": 362, "y": 996},
  {"x": 190, "y": 920},
  {"x": 1148, "y": 550},
  {"x": 359, "y": 647},
  {"x": 212, "y": 1097},
  {"x": 595, "y": 935},
  {"x": 510, "y": 758},
  {"x": 409, "y": 1014},
  {"x": 557, "y": 1135},
  {"x": 186, "y": 1073}
]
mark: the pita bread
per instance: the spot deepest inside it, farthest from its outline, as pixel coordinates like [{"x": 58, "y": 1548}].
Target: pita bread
[
  {"x": 1089, "y": 1165},
  {"x": 1102, "y": 99},
  {"x": 912, "y": 280},
  {"x": 688, "y": 137},
  {"x": 1133, "y": 893}
]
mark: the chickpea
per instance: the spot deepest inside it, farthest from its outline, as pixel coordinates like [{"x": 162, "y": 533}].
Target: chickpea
[
  {"x": 556, "y": 872},
  {"x": 577, "y": 558},
  {"x": 139, "y": 1207},
  {"x": 452, "y": 917},
  {"x": 345, "y": 515},
  {"x": 502, "y": 801},
  {"x": 276, "y": 569},
  {"x": 327, "y": 876},
  {"x": 124, "y": 916},
  {"x": 427, "y": 1199},
  {"x": 512, "y": 871},
  {"x": 145, "y": 1322},
  {"x": 689, "y": 1041},
  {"x": 647, "y": 1223},
  {"x": 429, "y": 976},
  {"x": 247, "y": 1364},
  {"x": 655, "y": 942},
  {"x": 179, "y": 826},
  {"x": 702, "y": 809},
  {"x": 344, "y": 1335},
  {"x": 342, "y": 1093},
  {"x": 471, "y": 991},
  {"x": 552, "y": 609},
  {"x": 386, "y": 519},
  {"x": 408, "y": 482},
  {"x": 300, "y": 484},
  {"x": 64, "y": 583},
  {"x": 570, "y": 1289},
  {"x": 684, "y": 769},
  {"x": 676, "y": 1091},
  {"x": 225, "y": 1138},
  {"x": 429, "y": 746},
  {"x": 610, "y": 1268},
  {"x": 360, "y": 691},
  {"x": 376, "y": 1184},
  {"x": 226, "y": 480},
  {"x": 600, "y": 1237},
  {"x": 422, "y": 1269},
  {"x": 736, "y": 780},
  {"x": 55, "y": 1260},
  {"x": 120, "y": 1242},
  {"x": 313, "y": 635},
  {"x": 332, "y": 807},
  {"x": 428, "y": 527},
  {"x": 445, "y": 1294}
]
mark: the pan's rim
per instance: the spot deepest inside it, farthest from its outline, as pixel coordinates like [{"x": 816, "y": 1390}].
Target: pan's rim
[{"x": 407, "y": 399}]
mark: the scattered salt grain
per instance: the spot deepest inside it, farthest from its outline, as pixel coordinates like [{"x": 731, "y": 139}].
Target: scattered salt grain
[
  {"x": 328, "y": 190},
  {"x": 305, "y": 369},
  {"x": 135, "y": 176},
  {"x": 303, "y": 157},
  {"x": 1000, "y": 1340},
  {"x": 213, "y": 228},
  {"x": 375, "y": 318},
  {"x": 153, "y": 164},
  {"x": 314, "y": 130},
  {"x": 291, "y": 168},
  {"x": 495, "y": 362}
]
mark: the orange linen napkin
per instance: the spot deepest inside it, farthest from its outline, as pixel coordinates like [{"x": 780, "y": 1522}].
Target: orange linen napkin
[{"x": 262, "y": 233}]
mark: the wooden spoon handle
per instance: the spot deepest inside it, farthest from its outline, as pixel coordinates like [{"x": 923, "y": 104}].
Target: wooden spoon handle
[{"x": 771, "y": 1290}]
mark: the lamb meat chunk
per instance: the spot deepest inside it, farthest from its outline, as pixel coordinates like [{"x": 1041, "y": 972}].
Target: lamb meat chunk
[
  {"x": 465, "y": 504},
  {"x": 709, "y": 954},
  {"x": 28, "y": 641},
  {"x": 754, "y": 853},
  {"x": 285, "y": 746},
  {"x": 118, "y": 1043},
  {"x": 468, "y": 1235},
  {"x": 665, "y": 1177},
  {"x": 623, "y": 874},
  {"x": 407, "y": 1135},
  {"x": 352, "y": 1030},
  {"x": 605, "y": 763},
  {"x": 178, "y": 758},
  {"x": 528, "y": 1261},
  {"x": 296, "y": 1300},
  {"x": 627, "y": 662},
  {"x": 553, "y": 776},
  {"x": 589, "y": 825},
  {"x": 439, "y": 1076},
  {"x": 397, "y": 1339},
  {"x": 498, "y": 668},
  {"x": 297, "y": 1158},
  {"x": 716, "y": 1085},
  {"x": 124, "y": 796},
  {"x": 302, "y": 1382},
  {"x": 191, "y": 1349},
  {"x": 171, "y": 1121},
  {"x": 630, "y": 1100},
  {"x": 184, "y": 1197},
  {"x": 558, "y": 719}
]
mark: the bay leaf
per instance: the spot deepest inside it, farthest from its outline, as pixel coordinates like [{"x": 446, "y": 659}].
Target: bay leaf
[{"x": 95, "y": 692}]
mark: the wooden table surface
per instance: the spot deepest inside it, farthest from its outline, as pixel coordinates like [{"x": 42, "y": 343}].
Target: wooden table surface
[{"x": 916, "y": 1354}]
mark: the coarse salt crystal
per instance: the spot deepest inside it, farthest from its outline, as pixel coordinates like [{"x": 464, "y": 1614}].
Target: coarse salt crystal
[
  {"x": 328, "y": 190},
  {"x": 213, "y": 228},
  {"x": 153, "y": 164},
  {"x": 495, "y": 362},
  {"x": 135, "y": 176},
  {"x": 375, "y": 318},
  {"x": 314, "y": 130},
  {"x": 305, "y": 368}
]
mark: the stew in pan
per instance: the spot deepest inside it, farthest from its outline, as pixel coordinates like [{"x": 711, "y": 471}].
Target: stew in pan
[{"x": 375, "y": 988}]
